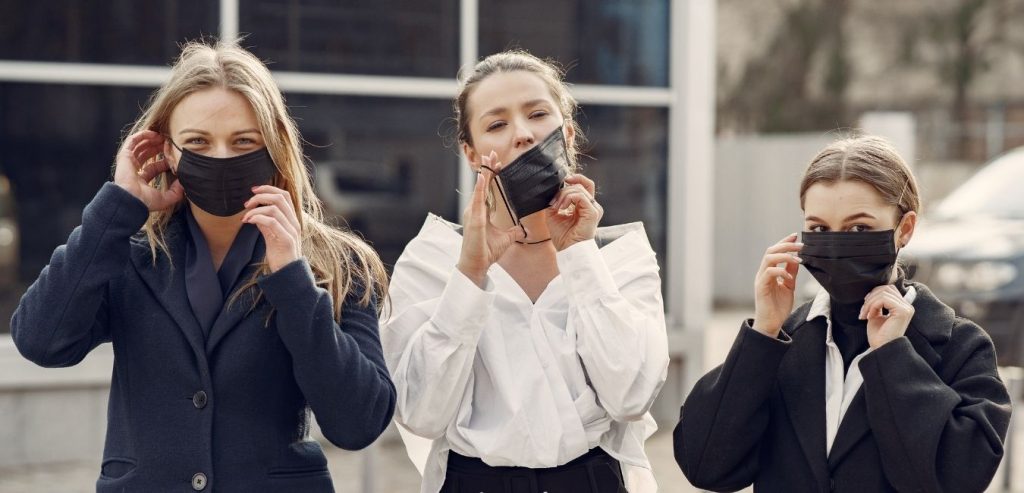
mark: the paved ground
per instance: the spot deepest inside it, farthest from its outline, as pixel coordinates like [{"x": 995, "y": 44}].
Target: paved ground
[{"x": 393, "y": 473}]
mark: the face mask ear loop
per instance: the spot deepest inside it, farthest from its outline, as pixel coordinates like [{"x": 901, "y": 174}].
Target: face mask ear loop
[
  {"x": 504, "y": 198},
  {"x": 173, "y": 144}
]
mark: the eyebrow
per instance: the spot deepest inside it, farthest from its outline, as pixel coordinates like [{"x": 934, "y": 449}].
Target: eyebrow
[
  {"x": 203, "y": 132},
  {"x": 502, "y": 109},
  {"x": 859, "y": 215}
]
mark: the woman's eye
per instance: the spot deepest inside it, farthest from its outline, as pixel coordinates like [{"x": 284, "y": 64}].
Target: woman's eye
[
  {"x": 817, "y": 228},
  {"x": 538, "y": 114},
  {"x": 859, "y": 228},
  {"x": 244, "y": 141},
  {"x": 196, "y": 141},
  {"x": 495, "y": 125}
]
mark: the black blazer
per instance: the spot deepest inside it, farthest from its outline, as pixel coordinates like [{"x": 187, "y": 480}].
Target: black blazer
[
  {"x": 931, "y": 415},
  {"x": 228, "y": 413}
]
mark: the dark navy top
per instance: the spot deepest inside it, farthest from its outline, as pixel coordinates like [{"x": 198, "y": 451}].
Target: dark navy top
[{"x": 207, "y": 288}]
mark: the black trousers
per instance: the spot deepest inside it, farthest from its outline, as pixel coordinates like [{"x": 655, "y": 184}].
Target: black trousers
[{"x": 593, "y": 472}]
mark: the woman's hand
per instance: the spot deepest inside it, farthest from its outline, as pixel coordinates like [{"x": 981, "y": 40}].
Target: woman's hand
[
  {"x": 574, "y": 214},
  {"x": 775, "y": 284},
  {"x": 271, "y": 210},
  {"x": 483, "y": 243},
  {"x": 888, "y": 327},
  {"x": 135, "y": 168}
]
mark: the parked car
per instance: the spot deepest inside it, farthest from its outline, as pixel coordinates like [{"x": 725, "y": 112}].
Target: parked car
[{"x": 970, "y": 251}]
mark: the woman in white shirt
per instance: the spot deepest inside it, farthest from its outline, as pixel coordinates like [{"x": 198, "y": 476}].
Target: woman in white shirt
[{"x": 526, "y": 346}]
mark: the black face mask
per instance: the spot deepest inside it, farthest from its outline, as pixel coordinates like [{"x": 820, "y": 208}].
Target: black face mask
[
  {"x": 221, "y": 186},
  {"x": 849, "y": 264},
  {"x": 529, "y": 183}
]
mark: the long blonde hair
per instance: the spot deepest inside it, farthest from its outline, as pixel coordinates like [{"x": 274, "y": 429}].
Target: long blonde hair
[{"x": 340, "y": 260}]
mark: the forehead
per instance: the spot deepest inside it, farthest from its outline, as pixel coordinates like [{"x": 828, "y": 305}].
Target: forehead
[
  {"x": 843, "y": 198},
  {"x": 213, "y": 107},
  {"x": 507, "y": 90}
]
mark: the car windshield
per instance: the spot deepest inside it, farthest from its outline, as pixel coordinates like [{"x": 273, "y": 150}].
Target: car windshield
[{"x": 995, "y": 190}]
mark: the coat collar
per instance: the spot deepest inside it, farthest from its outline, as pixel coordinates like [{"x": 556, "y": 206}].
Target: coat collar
[
  {"x": 166, "y": 280},
  {"x": 802, "y": 377}
]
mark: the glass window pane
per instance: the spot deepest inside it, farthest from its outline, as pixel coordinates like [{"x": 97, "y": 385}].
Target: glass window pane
[
  {"x": 114, "y": 31},
  {"x": 628, "y": 149},
  {"x": 380, "y": 164},
  {"x": 57, "y": 146},
  {"x": 372, "y": 37},
  {"x": 617, "y": 42}
]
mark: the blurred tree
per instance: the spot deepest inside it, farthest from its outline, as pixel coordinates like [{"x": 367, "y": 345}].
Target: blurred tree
[{"x": 799, "y": 81}]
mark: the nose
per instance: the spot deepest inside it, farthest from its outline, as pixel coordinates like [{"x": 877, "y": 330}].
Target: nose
[
  {"x": 523, "y": 138},
  {"x": 221, "y": 151}
]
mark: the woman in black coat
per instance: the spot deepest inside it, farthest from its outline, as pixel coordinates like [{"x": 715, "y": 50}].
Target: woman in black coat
[
  {"x": 873, "y": 386},
  {"x": 233, "y": 308}
]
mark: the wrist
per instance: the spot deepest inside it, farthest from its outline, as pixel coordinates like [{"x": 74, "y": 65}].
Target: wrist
[
  {"x": 474, "y": 273},
  {"x": 768, "y": 329}
]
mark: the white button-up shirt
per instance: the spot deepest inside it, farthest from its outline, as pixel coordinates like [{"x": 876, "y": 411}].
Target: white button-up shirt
[
  {"x": 490, "y": 374},
  {"x": 839, "y": 390}
]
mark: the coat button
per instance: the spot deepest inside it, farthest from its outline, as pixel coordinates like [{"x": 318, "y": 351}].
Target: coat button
[
  {"x": 199, "y": 482},
  {"x": 199, "y": 399}
]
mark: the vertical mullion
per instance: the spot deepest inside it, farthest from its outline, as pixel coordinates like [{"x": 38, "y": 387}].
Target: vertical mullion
[
  {"x": 469, "y": 32},
  {"x": 691, "y": 179},
  {"x": 229, "y": 20}
]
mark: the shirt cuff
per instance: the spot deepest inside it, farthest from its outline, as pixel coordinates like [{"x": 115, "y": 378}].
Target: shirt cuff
[
  {"x": 585, "y": 273},
  {"x": 463, "y": 308}
]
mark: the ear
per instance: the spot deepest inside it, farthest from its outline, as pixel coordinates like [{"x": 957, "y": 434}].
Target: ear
[
  {"x": 171, "y": 155},
  {"x": 569, "y": 130},
  {"x": 905, "y": 230},
  {"x": 471, "y": 155}
]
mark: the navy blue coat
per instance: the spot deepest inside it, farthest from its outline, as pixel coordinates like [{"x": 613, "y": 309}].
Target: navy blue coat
[{"x": 227, "y": 413}]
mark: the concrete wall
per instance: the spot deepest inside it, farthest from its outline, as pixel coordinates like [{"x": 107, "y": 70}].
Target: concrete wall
[
  {"x": 757, "y": 186},
  {"x": 52, "y": 415}
]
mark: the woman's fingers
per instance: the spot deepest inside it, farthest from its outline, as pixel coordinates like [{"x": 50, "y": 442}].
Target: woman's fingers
[
  {"x": 276, "y": 213},
  {"x": 889, "y": 300},
  {"x": 273, "y": 196},
  {"x": 774, "y": 259},
  {"x": 774, "y": 273},
  {"x": 583, "y": 181},
  {"x": 574, "y": 195},
  {"x": 151, "y": 169},
  {"x": 787, "y": 245}
]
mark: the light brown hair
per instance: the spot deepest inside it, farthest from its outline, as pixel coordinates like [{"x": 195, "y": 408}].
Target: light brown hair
[
  {"x": 340, "y": 260},
  {"x": 513, "y": 61},
  {"x": 868, "y": 159}
]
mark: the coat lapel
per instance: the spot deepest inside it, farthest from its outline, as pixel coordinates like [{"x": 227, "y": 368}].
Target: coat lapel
[
  {"x": 166, "y": 280},
  {"x": 851, "y": 430},
  {"x": 233, "y": 312},
  {"x": 932, "y": 324},
  {"x": 802, "y": 383}
]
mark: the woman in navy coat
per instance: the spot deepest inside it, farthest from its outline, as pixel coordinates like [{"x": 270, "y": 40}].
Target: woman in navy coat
[
  {"x": 875, "y": 385},
  {"x": 233, "y": 309}
]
